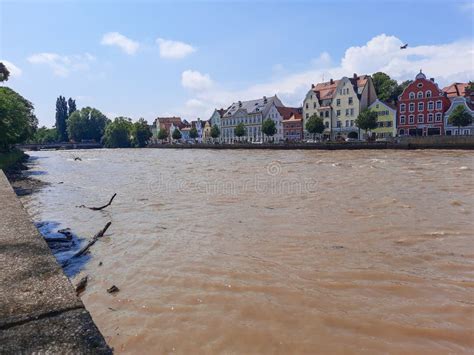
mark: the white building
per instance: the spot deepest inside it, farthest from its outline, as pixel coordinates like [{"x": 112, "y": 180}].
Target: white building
[{"x": 251, "y": 114}]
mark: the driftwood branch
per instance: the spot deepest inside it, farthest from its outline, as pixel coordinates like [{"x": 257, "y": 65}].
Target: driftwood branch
[
  {"x": 101, "y": 207},
  {"x": 92, "y": 242},
  {"x": 81, "y": 286}
]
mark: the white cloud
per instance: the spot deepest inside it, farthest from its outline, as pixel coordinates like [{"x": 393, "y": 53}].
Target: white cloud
[
  {"x": 124, "y": 43},
  {"x": 12, "y": 68},
  {"x": 194, "y": 80},
  {"x": 62, "y": 65},
  {"x": 174, "y": 49},
  {"x": 445, "y": 62}
]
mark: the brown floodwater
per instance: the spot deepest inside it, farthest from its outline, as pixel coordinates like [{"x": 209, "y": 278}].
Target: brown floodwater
[{"x": 275, "y": 252}]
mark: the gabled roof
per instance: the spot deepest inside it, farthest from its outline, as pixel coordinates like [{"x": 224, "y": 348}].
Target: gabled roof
[
  {"x": 221, "y": 111},
  {"x": 456, "y": 89},
  {"x": 287, "y": 112},
  {"x": 297, "y": 116},
  {"x": 253, "y": 106},
  {"x": 327, "y": 90}
]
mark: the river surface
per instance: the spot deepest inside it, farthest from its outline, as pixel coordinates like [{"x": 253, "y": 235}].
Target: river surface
[{"x": 275, "y": 252}]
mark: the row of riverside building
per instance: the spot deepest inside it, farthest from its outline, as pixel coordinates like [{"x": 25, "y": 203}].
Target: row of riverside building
[{"x": 422, "y": 109}]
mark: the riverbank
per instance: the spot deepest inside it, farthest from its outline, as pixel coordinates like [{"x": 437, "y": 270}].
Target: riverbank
[{"x": 40, "y": 312}]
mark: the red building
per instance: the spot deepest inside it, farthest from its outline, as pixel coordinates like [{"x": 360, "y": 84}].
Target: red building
[
  {"x": 292, "y": 123},
  {"x": 421, "y": 108}
]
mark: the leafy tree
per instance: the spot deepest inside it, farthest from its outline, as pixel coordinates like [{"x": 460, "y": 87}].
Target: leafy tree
[
  {"x": 193, "y": 133},
  {"x": 315, "y": 124},
  {"x": 367, "y": 120},
  {"x": 460, "y": 117},
  {"x": 215, "y": 131},
  {"x": 162, "y": 134},
  {"x": 385, "y": 87},
  {"x": 269, "y": 128},
  {"x": 239, "y": 130},
  {"x": 4, "y": 72},
  {"x": 470, "y": 86},
  {"x": 86, "y": 124},
  {"x": 72, "y": 106},
  {"x": 45, "y": 135},
  {"x": 117, "y": 133},
  {"x": 141, "y": 133},
  {"x": 176, "y": 134},
  {"x": 61, "y": 118},
  {"x": 17, "y": 119}
]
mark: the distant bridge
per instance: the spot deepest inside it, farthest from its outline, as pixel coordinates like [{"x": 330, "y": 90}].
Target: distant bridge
[{"x": 58, "y": 146}]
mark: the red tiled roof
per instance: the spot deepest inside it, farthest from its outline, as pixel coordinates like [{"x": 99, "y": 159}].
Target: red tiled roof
[
  {"x": 456, "y": 89},
  {"x": 287, "y": 112},
  {"x": 327, "y": 89}
]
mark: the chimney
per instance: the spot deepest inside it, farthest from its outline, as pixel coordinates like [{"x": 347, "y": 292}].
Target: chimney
[
  {"x": 331, "y": 81},
  {"x": 265, "y": 100},
  {"x": 355, "y": 76},
  {"x": 312, "y": 86},
  {"x": 240, "y": 103}
]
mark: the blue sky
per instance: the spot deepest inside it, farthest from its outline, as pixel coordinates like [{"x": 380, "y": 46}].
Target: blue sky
[{"x": 144, "y": 59}]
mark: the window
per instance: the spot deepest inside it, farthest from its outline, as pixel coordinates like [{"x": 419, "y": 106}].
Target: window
[
  {"x": 338, "y": 124},
  {"x": 352, "y": 123},
  {"x": 466, "y": 132},
  {"x": 307, "y": 106},
  {"x": 338, "y": 113},
  {"x": 428, "y": 93},
  {"x": 421, "y": 118},
  {"x": 438, "y": 117},
  {"x": 412, "y": 95},
  {"x": 420, "y": 94},
  {"x": 411, "y": 119},
  {"x": 402, "y": 119},
  {"x": 321, "y": 114},
  {"x": 439, "y": 105},
  {"x": 430, "y": 106},
  {"x": 326, "y": 114},
  {"x": 389, "y": 123},
  {"x": 314, "y": 104},
  {"x": 307, "y": 115},
  {"x": 326, "y": 124},
  {"x": 421, "y": 106},
  {"x": 351, "y": 101},
  {"x": 347, "y": 123},
  {"x": 403, "y": 107},
  {"x": 347, "y": 112},
  {"x": 430, "y": 117},
  {"x": 338, "y": 102},
  {"x": 411, "y": 107},
  {"x": 402, "y": 132}
]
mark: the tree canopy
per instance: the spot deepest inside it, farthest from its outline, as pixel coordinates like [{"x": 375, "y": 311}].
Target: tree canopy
[
  {"x": 71, "y": 106},
  {"x": 367, "y": 120},
  {"x": 269, "y": 128},
  {"x": 45, "y": 135},
  {"x": 17, "y": 119},
  {"x": 193, "y": 133},
  {"x": 4, "y": 72},
  {"x": 215, "y": 131},
  {"x": 61, "y": 118},
  {"x": 239, "y": 130},
  {"x": 315, "y": 125},
  {"x": 386, "y": 88},
  {"x": 86, "y": 124},
  {"x": 117, "y": 133},
  {"x": 176, "y": 134},
  {"x": 460, "y": 117},
  {"x": 141, "y": 133}
]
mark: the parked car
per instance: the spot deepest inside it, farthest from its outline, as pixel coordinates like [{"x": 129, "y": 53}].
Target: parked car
[{"x": 351, "y": 140}]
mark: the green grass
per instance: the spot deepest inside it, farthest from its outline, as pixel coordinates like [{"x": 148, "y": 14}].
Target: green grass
[{"x": 8, "y": 159}]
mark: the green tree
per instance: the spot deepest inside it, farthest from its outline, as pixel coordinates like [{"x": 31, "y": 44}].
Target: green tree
[
  {"x": 385, "y": 87},
  {"x": 162, "y": 134},
  {"x": 4, "y": 72},
  {"x": 470, "y": 86},
  {"x": 45, "y": 135},
  {"x": 71, "y": 105},
  {"x": 269, "y": 128},
  {"x": 176, "y": 134},
  {"x": 367, "y": 120},
  {"x": 86, "y": 124},
  {"x": 460, "y": 117},
  {"x": 61, "y": 118},
  {"x": 315, "y": 125},
  {"x": 117, "y": 133},
  {"x": 18, "y": 122},
  {"x": 215, "y": 131},
  {"x": 141, "y": 133},
  {"x": 239, "y": 130},
  {"x": 193, "y": 133}
]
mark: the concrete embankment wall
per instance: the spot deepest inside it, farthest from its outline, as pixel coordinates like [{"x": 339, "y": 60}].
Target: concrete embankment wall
[
  {"x": 39, "y": 309},
  {"x": 443, "y": 142}
]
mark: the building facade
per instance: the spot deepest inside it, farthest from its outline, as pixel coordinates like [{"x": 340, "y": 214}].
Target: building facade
[
  {"x": 421, "y": 108},
  {"x": 386, "y": 119},
  {"x": 339, "y": 102},
  {"x": 251, "y": 114},
  {"x": 459, "y": 96},
  {"x": 216, "y": 119},
  {"x": 292, "y": 123}
]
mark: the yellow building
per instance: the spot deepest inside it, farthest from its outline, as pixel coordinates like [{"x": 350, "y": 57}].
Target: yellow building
[{"x": 386, "y": 119}]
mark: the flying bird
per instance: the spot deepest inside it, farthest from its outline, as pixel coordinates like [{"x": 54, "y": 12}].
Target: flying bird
[{"x": 404, "y": 46}]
